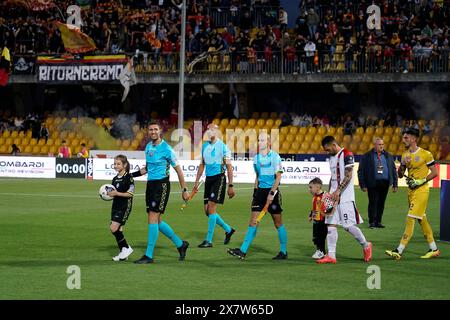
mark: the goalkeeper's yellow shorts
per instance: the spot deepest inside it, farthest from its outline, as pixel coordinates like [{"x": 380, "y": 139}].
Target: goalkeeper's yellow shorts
[{"x": 418, "y": 201}]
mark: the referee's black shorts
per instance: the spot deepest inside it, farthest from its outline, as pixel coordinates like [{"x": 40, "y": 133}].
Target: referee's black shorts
[
  {"x": 215, "y": 189},
  {"x": 260, "y": 199},
  {"x": 157, "y": 195}
]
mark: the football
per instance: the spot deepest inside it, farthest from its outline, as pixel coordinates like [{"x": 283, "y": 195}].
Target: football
[
  {"x": 328, "y": 204},
  {"x": 103, "y": 192}
]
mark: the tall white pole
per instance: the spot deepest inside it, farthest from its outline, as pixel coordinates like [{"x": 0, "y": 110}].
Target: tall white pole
[{"x": 182, "y": 63}]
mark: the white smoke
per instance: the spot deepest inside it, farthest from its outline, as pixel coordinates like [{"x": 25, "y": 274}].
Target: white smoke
[{"x": 427, "y": 103}]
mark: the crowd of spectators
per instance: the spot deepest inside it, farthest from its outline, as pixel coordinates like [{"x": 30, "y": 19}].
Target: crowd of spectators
[{"x": 329, "y": 35}]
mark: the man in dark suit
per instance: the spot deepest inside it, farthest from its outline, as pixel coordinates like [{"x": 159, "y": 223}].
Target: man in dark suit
[{"x": 376, "y": 173}]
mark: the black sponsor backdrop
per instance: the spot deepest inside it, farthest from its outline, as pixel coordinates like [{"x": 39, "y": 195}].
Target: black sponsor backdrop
[{"x": 71, "y": 168}]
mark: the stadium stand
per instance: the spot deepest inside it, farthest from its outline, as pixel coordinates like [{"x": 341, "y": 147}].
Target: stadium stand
[{"x": 247, "y": 37}]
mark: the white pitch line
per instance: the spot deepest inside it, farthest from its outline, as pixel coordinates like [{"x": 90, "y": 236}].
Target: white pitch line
[{"x": 76, "y": 195}]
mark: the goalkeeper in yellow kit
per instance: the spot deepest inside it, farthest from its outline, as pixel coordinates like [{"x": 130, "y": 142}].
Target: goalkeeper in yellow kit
[{"x": 421, "y": 169}]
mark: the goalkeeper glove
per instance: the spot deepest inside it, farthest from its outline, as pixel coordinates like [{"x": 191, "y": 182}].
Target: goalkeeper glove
[{"x": 415, "y": 183}]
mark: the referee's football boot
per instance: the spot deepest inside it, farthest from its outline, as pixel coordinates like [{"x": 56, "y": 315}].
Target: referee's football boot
[
  {"x": 431, "y": 254},
  {"x": 228, "y": 236},
  {"x": 280, "y": 256},
  {"x": 237, "y": 253},
  {"x": 205, "y": 244},
  {"x": 144, "y": 260},
  {"x": 182, "y": 250},
  {"x": 394, "y": 254}
]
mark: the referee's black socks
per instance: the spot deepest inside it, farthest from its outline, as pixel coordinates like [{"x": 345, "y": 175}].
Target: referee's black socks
[{"x": 121, "y": 242}]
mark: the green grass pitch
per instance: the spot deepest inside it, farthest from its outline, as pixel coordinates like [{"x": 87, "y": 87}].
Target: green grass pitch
[{"x": 48, "y": 225}]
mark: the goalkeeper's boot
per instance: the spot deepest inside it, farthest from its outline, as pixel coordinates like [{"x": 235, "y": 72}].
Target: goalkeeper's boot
[
  {"x": 368, "y": 252},
  {"x": 237, "y": 253},
  {"x": 205, "y": 244},
  {"x": 228, "y": 236},
  {"x": 394, "y": 254},
  {"x": 326, "y": 259},
  {"x": 280, "y": 256},
  {"x": 182, "y": 250},
  {"x": 431, "y": 254}
]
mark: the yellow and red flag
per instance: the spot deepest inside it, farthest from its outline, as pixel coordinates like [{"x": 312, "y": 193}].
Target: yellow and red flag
[{"x": 74, "y": 40}]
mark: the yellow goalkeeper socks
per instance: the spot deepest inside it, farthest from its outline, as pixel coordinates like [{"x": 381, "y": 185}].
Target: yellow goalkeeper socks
[
  {"x": 409, "y": 230},
  {"x": 428, "y": 232}
]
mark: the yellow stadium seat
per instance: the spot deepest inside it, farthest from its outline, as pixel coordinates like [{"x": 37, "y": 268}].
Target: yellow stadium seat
[
  {"x": 107, "y": 121},
  {"x": 54, "y": 135},
  {"x": 216, "y": 121},
  {"x": 321, "y": 131},
  {"x": 75, "y": 143},
  {"x": 315, "y": 146},
  {"x": 331, "y": 131},
  {"x": 14, "y": 134},
  {"x": 49, "y": 121},
  {"x": 367, "y": 139},
  {"x": 290, "y": 138},
  {"x": 74, "y": 120},
  {"x": 300, "y": 138},
  {"x": 278, "y": 122},
  {"x": 6, "y": 134},
  {"x": 43, "y": 150},
  {"x": 295, "y": 145},
  {"x": 3, "y": 149},
  {"x": 140, "y": 136},
  {"x": 17, "y": 141},
  {"x": 270, "y": 123},
  {"x": 36, "y": 149},
  {"x": 284, "y": 130},
  {"x": 286, "y": 145},
  {"x": 426, "y": 139},
  {"x": 27, "y": 149},
  {"x": 396, "y": 139},
  {"x": 312, "y": 130},
  {"x": 303, "y": 130},
  {"x": 41, "y": 142},
  {"x": 318, "y": 138},
  {"x": 392, "y": 148},
  {"x": 388, "y": 131},
  {"x": 370, "y": 130},
  {"x": 135, "y": 144},
  {"x": 232, "y": 123},
  {"x": 356, "y": 138},
  {"x": 379, "y": 131},
  {"x": 387, "y": 138},
  {"x": 340, "y": 131},
  {"x": 261, "y": 123},
  {"x": 242, "y": 123},
  {"x": 433, "y": 148},
  {"x": 293, "y": 130},
  {"x": 2, "y": 141},
  {"x": 347, "y": 139},
  {"x": 125, "y": 143},
  {"x": 397, "y": 130},
  {"x": 309, "y": 138},
  {"x": 251, "y": 123},
  {"x": 21, "y": 134},
  {"x": 281, "y": 138},
  {"x": 33, "y": 142},
  {"x": 225, "y": 122},
  {"x": 305, "y": 145},
  {"x": 360, "y": 130}
]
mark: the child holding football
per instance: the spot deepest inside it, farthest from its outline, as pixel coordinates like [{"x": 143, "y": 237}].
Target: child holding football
[
  {"x": 121, "y": 207},
  {"x": 317, "y": 216}
]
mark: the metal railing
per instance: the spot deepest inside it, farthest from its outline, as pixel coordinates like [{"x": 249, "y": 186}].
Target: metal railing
[
  {"x": 260, "y": 15},
  {"x": 276, "y": 62},
  {"x": 293, "y": 63}
]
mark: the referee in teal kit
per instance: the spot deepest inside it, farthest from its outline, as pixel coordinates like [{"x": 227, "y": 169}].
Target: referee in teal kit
[
  {"x": 268, "y": 169},
  {"x": 159, "y": 157},
  {"x": 216, "y": 159}
]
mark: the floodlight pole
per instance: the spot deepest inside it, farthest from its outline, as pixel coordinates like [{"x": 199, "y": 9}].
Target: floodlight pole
[{"x": 182, "y": 67}]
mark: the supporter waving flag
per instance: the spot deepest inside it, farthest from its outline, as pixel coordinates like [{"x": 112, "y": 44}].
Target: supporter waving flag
[{"x": 74, "y": 40}]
